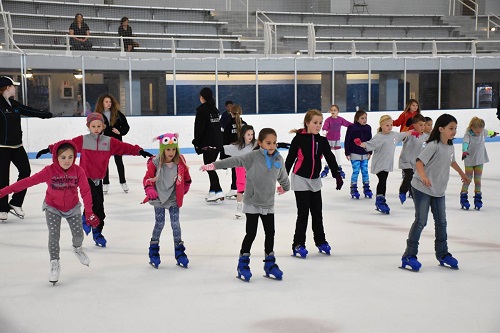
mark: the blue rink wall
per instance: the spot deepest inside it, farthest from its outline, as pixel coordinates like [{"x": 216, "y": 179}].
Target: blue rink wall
[{"x": 39, "y": 133}]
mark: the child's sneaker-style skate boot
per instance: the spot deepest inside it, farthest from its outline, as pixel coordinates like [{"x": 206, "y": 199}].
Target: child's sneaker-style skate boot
[
  {"x": 55, "y": 269},
  {"x": 154, "y": 254},
  {"x": 300, "y": 250},
  {"x": 381, "y": 205},
  {"x": 411, "y": 261},
  {"x": 325, "y": 248},
  {"x": 243, "y": 268},
  {"x": 271, "y": 268},
  {"x": 354, "y": 191},
  {"x": 98, "y": 237},
  {"x": 367, "y": 191},
  {"x": 180, "y": 255},
  {"x": 324, "y": 173},
  {"x": 464, "y": 201},
  {"x": 448, "y": 261},
  {"x": 478, "y": 200}
]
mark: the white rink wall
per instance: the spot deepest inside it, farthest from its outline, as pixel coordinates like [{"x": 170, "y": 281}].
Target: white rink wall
[{"x": 39, "y": 133}]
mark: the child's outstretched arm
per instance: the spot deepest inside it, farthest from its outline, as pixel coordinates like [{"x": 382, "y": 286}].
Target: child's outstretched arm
[
  {"x": 459, "y": 170},
  {"x": 122, "y": 148},
  {"x": 21, "y": 185}
]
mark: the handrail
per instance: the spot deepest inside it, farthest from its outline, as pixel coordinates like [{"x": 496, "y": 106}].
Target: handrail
[
  {"x": 257, "y": 19},
  {"x": 452, "y": 5},
  {"x": 496, "y": 25}
]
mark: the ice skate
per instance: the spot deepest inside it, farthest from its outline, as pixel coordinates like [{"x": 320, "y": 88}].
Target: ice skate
[
  {"x": 215, "y": 196},
  {"x": 449, "y": 262},
  {"x": 86, "y": 228},
  {"x": 3, "y": 216},
  {"x": 105, "y": 188},
  {"x": 231, "y": 195},
  {"x": 271, "y": 268},
  {"x": 98, "y": 237},
  {"x": 381, "y": 205},
  {"x": 180, "y": 255},
  {"x": 324, "y": 173},
  {"x": 412, "y": 262},
  {"x": 325, "y": 248},
  {"x": 402, "y": 197},
  {"x": 124, "y": 187},
  {"x": 354, "y": 191},
  {"x": 81, "y": 255},
  {"x": 478, "y": 203},
  {"x": 17, "y": 211},
  {"x": 464, "y": 201},
  {"x": 55, "y": 269},
  {"x": 239, "y": 210},
  {"x": 367, "y": 191},
  {"x": 243, "y": 268},
  {"x": 300, "y": 250},
  {"x": 154, "y": 254},
  {"x": 342, "y": 173}
]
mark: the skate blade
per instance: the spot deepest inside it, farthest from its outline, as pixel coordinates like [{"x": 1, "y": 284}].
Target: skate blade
[
  {"x": 53, "y": 283},
  {"x": 230, "y": 197},
  {"x": 408, "y": 269},
  {"x": 153, "y": 265},
  {"x": 242, "y": 279},
  {"x": 299, "y": 256},
  {"x": 271, "y": 277},
  {"x": 182, "y": 266},
  {"x": 214, "y": 201},
  {"x": 378, "y": 210},
  {"x": 325, "y": 253},
  {"x": 99, "y": 245},
  {"x": 17, "y": 215},
  {"x": 449, "y": 267}
]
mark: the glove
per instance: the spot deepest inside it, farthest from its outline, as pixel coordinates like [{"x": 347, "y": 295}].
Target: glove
[
  {"x": 494, "y": 134},
  {"x": 92, "y": 220},
  {"x": 207, "y": 167},
  {"x": 464, "y": 155},
  {"x": 409, "y": 121},
  {"x": 357, "y": 142},
  {"x": 415, "y": 134},
  {"x": 283, "y": 145},
  {"x": 42, "y": 152},
  {"x": 145, "y": 154},
  {"x": 280, "y": 190},
  {"x": 340, "y": 182},
  {"x": 151, "y": 193}
]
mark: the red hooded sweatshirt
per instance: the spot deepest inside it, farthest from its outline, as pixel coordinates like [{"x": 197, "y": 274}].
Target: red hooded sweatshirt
[{"x": 62, "y": 190}]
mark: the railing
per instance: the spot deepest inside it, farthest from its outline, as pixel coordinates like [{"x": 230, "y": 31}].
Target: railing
[
  {"x": 261, "y": 21},
  {"x": 452, "y": 5},
  {"x": 494, "y": 24}
]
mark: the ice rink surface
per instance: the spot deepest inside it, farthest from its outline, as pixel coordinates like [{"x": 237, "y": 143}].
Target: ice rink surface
[{"x": 359, "y": 288}]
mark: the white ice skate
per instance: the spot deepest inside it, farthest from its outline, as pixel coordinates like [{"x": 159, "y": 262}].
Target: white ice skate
[
  {"x": 81, "y": 255},
  {"x": 239, "y": 210},
  {"x": 55, "y": 269},
  {"x": 124, "y": 187},
  {"x": 17, "y": 211}
]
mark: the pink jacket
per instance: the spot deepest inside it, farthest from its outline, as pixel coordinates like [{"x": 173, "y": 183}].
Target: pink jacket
[
  {"x": 182, "y": 183},
  {"x": 96, "y": 150},
  {"x": 62, "y": 190}
]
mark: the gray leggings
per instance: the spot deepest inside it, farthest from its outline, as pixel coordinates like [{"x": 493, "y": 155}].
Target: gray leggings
[{"x": 54, "y": 225}]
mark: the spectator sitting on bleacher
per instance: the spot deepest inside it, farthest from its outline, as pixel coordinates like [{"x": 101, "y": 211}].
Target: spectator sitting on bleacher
[
  {"x": 78, "y": 27},
  {"x": 125, "y": 30}
]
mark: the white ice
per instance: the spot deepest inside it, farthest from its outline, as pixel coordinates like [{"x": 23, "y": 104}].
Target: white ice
[{"x": 359, "y": 288}]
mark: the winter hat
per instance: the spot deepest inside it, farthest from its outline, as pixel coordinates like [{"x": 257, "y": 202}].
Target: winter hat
[
  {"x": 168, "y": 140},
  {"x": 94, "y": 116},
  {"x": 6, "y": 81}
]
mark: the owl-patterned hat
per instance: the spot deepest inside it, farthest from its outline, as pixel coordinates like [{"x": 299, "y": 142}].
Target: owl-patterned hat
[{"x": 168, "y": 140}]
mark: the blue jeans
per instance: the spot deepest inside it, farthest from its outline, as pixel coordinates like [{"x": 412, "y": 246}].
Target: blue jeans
[{"x": 422, "y": 203}]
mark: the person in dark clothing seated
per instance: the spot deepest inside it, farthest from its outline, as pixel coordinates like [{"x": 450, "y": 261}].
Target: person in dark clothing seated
[
  {"x": 79, "y": 32},
  {"x": 125, "y": 30}
]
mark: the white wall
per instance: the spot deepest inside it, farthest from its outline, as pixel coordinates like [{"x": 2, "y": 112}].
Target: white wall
[{"x": 39, "y": 133}]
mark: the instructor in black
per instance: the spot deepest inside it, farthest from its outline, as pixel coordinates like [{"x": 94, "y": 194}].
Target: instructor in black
[{"x": 11, "y": 144}]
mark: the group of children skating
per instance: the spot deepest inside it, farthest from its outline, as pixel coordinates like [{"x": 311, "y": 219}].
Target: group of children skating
[{"x": 259, "y": 166}]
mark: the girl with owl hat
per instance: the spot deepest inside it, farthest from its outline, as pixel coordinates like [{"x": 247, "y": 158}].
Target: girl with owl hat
[{"x": 166, "y": 182}]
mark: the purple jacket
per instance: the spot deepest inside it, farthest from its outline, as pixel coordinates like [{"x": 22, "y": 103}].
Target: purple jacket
[{"x": 333, "y": 125}]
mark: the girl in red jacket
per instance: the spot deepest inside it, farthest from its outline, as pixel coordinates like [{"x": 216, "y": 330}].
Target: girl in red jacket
[
  {"x": 63, "y": 178},
  {"x": 95, "y": 151},
  {"x": 405, "y": 118},
  {"x": 166, "y": 182}
]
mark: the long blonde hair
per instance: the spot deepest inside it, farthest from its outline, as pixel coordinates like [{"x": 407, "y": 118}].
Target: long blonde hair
[{"x": 476, "y": 122}]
